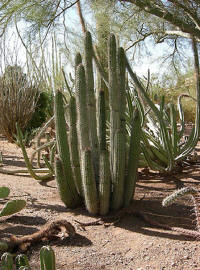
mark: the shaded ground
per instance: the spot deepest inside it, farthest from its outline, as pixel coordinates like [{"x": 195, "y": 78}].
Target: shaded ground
[{"x": 129, "y": 244}]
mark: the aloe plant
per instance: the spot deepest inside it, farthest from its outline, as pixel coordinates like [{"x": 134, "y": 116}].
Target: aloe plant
[{"x": 162, "y": 145}]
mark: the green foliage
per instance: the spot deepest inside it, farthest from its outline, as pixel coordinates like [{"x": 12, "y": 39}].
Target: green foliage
[{"x": 44, "y": 109}]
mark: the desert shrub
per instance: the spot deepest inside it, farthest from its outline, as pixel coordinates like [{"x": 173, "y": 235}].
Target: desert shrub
[
  {"x": 18, "y": 99},
  {"x": 43, "y": 111}
]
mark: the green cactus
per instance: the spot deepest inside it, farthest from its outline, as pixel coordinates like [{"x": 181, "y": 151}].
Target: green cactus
[
  {"x": 177, "y": 194},
  {"x": 64, "y": 172},
  {"x": 7, "y": 261},
  {"x": 91, "y": 102},
  {"x": 47, "y": 258},
  {"x": 89, "y": 183},
  {"x": 105, "y": 176},
  {"x": 102, "y": 121},
  {"x": 118, "y": 176},
  {"x": 117, "y": 96},
  {"x": 82, "y": 110},
  {"x": 78, "y": 60},
  {"x": 101, "y": 179},
  {"x": 11, "y": 207},
  {"x": 104, "y": 183},
  {"x": 113, "y": 95},
  {"x": 133, "y": 158},
  {"x": 73, "y": 144},
  {"x": 22, "y": 261}
]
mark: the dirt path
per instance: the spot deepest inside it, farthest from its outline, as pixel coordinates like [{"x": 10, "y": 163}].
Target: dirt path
[{"x": 129, "y": 244}]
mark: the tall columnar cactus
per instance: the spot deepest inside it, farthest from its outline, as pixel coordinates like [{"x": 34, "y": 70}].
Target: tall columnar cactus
[
  {"x": 104, "y": 177},
  {"x": 113, "y": 94},
  {"x": 73, "y": 144},
  {"x": 107, "y": 182},
  {"x": 133, "y": 158},
  {"x": 82, "y": 110},
  {"x": 117, "y": 121},
  {"x": 64, "y": 173},
  {"x": 91, "y": 102},
  {"x": 89, "y": 183}
]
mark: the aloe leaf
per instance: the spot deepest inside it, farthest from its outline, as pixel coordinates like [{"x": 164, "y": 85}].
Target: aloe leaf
[{"x": 157, "y": 112}]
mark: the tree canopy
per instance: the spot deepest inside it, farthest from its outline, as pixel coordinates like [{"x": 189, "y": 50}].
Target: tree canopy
[{"x": 184, "y": 15}]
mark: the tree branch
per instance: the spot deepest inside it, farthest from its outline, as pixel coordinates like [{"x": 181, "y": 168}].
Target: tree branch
[
  {"x": 82, "y": 21},
  {"x": 153, "y": 9}
]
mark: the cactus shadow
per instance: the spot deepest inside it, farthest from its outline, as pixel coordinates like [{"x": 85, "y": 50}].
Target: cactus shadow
[{"x": 177, "y": 215}]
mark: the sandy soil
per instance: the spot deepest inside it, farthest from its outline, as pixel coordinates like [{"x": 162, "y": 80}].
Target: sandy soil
[{"x": 130, "y": 243}]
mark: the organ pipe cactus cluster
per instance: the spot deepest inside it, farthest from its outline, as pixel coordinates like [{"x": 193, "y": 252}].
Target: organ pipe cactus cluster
[
  {"x": 47, "y": 260},
  {"x": 96, "y": 162}
]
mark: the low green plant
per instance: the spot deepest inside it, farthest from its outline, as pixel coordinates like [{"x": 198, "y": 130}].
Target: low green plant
[{"x": 47, "y": 260}]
